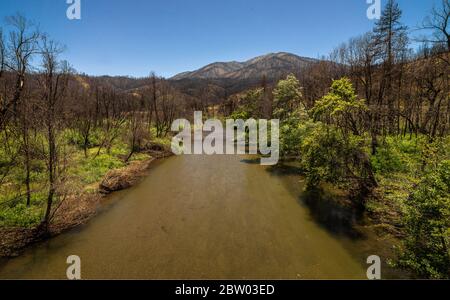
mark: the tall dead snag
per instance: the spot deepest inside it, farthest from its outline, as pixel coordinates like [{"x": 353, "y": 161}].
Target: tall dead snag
[
  {"x": 2, "y": 55},
  {"x": 54, "y": 80},
  {"x": 148, "y": 96},
  {"x": 390, "y": 38},
  {"x": 361, "y": 55},
  {"x": 23, "y": 45},
  {"x": 24, "y": 125},
  {"x": 163, "y": 100},
  {"x": 154, "y": 100}
]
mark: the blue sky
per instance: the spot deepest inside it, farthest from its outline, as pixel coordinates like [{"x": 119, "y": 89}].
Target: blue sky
[{"x": 134, "y": 37}]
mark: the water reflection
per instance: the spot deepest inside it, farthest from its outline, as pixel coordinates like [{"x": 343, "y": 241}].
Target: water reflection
[
  {"x": 335, "y": 217},
  {"x": 324, "y": 207}
]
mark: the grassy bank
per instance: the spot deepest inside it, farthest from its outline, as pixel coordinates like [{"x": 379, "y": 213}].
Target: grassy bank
[{"x": 81, "y": 176}]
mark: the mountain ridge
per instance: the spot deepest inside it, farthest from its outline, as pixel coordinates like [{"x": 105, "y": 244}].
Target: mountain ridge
[{"x": 271, "y": 65}]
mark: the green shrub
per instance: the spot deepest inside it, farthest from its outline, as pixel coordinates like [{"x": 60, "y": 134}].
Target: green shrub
[
  {"x": 427, "y": 225},
  {"x": 20, "y": 215},
  {"x": 293, "y": 129},
  {"x": 329, "y": 156},
  {"x": 397, "y": 155}
]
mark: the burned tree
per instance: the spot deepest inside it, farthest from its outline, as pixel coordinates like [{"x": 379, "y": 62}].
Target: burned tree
[
  {"x": 23, "y": 45},
  {"x": 54, "y": 80}
]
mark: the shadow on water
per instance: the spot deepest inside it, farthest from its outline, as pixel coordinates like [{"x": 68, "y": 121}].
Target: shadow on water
[
  {"x": 325, "y": 208},
  {"x": 284, "y": 170},
  {"x": 276, "y": 170},
  {"x": 337, "y": 218},
  {"x": 251, "y": 161}
]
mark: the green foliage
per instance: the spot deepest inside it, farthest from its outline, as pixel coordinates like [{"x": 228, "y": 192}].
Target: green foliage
[
  {"x": 287, "y": 96},
  {"x": 20, "y": 215},
  {"x": 249, "y": 105},
  {"x": 166, "y": 142},
  {"x": 334, "y": 151},
  {"x": 329, "y": 156},
  {"x": 432, "y": 153},
  {"x": 427, "y": 225},
  {"x": 241, "y": 114},
  {"x": 293, "y": 128},
  {"x": 73, "y": 137},
  {"x": 340, "y": 106},
  {"x": 91, "y": 170},
  {"x": 397, "y": 154}
]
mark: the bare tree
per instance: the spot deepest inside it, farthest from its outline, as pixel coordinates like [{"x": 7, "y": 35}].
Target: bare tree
[
  {"x": 84, "y": 116},
  {"x": 23, "y": 45},
  {"x": 2, "y": 53},
  {"x": 438, "y": 23},
  {"x": 24, "y": 128},
  {"x": 136, "y": 133},
  {"x": 148, "y": 98},
  {"x": 112, "y": 117},
  {"x": 54, "y": 80}
]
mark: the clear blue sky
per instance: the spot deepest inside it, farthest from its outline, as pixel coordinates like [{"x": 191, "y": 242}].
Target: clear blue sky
[{"x": 133, "y": 37}]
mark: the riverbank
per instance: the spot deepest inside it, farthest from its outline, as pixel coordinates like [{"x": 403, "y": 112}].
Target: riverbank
[{"x": 76, "y": 209}]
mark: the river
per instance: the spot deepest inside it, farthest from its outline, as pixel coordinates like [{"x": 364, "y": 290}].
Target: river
[{"x": 215, "y": 217}]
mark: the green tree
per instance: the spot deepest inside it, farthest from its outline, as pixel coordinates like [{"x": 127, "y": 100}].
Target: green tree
[
  {"x": 334, "y": 151},
  {"x": 287, "y": 97},
  {"x": 329, "y": 156},
  {"x": 341, "y": 107},
  {"x": 293, "y": 128},
  {"x": 427, "y": 225},
  {"x": 249, "y": 105}
]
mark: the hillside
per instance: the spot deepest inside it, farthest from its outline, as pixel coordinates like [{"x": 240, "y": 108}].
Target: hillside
[{"x": 272, "y": 65}]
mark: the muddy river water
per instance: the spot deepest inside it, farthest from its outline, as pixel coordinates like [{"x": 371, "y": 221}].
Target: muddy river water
[{"x": 206, "y": 217}]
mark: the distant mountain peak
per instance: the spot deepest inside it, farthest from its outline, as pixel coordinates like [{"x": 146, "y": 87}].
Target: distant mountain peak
[{"x": 271, "y": 64}]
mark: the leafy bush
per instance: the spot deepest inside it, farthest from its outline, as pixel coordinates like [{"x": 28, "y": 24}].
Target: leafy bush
[
  {"x": 293, "y": 129},
  {"x": 427, "y": 225},
  {"x": 327, "y": 156},
  {"x": 396, "y": 155},
  {"x": 287, "y": 96},
  {"x": 388, "y": 159},
  {"x": 241, "y": 114}
]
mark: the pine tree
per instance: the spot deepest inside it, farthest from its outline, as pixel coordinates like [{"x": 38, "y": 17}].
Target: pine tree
[{"x": 390, "y": 41}]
